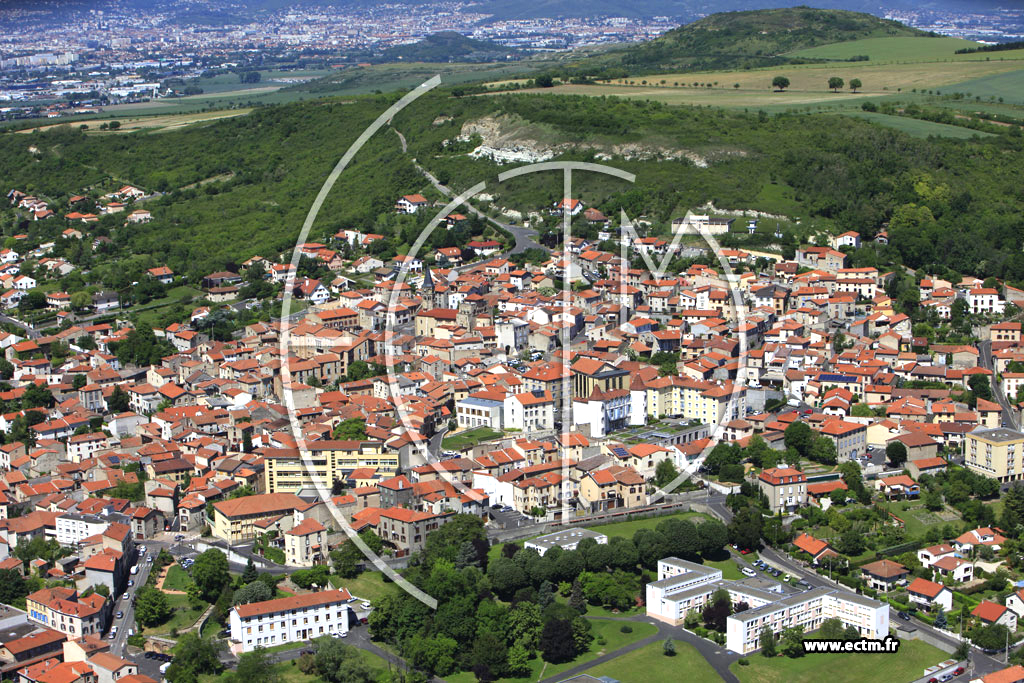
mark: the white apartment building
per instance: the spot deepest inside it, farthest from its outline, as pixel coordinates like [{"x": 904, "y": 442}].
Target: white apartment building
[
  {"x": 73, "y": 527},
  {"x": 529, "y": 411},
  {"x": 290, "y": 620},
  {"x": 684, "y": 586}
]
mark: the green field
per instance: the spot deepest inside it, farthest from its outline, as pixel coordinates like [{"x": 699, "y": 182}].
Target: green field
[
  {"x": 608, "y": 629},
  {"x": 367, "y": 586},
  {"x": 918, "y": 128},
  {"x": 1009, "y": 86},
  {"x": 904, "y": 48},
  {"x": 177, "y": 579},
  {"x": 470, "y": 437},
  {"x": 288, "y": 672},
  {"x": 908, "y": 664},
  {"x": 649, "y": 663}
]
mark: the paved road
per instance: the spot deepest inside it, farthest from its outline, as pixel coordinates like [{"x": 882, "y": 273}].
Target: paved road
[
  {"x": 29, "y": 331},
  {"x": 526, "y": 238},
  {"x": 1009, "y": 413},
  {"x": 125, "y": 603}
]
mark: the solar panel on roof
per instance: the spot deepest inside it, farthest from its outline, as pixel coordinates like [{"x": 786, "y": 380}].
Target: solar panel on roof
[{"x": 620, "y": 451}]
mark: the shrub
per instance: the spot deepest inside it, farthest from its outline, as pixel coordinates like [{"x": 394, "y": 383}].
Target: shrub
[
  {"x": 626, "y": 628},
  {"x": 743, "y": 661}
]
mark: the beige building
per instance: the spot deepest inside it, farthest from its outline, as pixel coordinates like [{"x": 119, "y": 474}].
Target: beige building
[
  {"x": 613, "y": 487},
  {"x": 242, "y": 519},
  {"x": 995, "y": 452},
  {"x": 326, "y": 462},
  {"x": 306, "y": 544},
  {"x": 406, "y": 530},
  {"x": 785, "y": 487}
]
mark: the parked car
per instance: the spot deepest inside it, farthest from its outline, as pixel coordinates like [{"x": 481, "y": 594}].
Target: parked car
[
  {"x": 945, "y": 677},
  {"x": 787, "y": 578},
  {"x": 131, "y": 583},
  {"x": 120, "y": 615},
  {"x": 959, "y": 670},
  {"x": 903, "y": 615},
  {"x": 747, "y": 571},
  {"x": 365, "y": 604}
]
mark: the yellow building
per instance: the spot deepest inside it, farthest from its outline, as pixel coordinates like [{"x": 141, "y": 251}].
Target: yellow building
[
  {"x": 326, "y": 462},
  {"x": 242, "y": 519},
  {"x": 997, "y": 453}
]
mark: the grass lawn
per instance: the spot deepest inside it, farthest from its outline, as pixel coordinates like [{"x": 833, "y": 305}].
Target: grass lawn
[
  {"x": 367, "y": 586},
  {"x": 470, "y": 437},
  {"x": 609, "y": 630},
  {"x": 288, "y": 671},
  {"x": 728, "y": 567},
  {"x": 649, "y": 663},
  {"x": 177, "y": 579},
  {"x": 908, "y": 665},
  {"x": 182, "y": 616}
]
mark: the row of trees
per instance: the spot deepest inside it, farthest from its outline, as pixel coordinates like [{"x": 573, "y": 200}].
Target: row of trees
[{"x": 780, "y": 83}]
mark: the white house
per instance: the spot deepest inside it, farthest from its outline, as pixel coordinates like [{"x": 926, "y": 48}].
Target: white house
[
  {"x": 529, "y": 411},
  {"x": 984, "y": 301},
  {"x": 290, "y": 620},
  {"x": 410, "y": 203},
  {"x": 930, "y": 555},
  {"x": 928, "y": 594},
  {"x": 1015, "y": 602}
]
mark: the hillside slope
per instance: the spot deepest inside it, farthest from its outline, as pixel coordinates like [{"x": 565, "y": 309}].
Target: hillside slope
[{"x": 750, "y": 39}]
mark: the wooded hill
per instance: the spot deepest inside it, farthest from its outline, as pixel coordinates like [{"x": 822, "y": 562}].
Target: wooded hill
[{"x": 956, "y": 203}]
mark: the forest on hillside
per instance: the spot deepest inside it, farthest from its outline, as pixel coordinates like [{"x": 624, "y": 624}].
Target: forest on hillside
[{"x": 955, "y": 203}]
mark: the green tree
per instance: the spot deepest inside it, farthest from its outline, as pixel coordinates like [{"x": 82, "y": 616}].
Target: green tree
[
  {"x": 835, "y": 83},
  {"x": 489, "y": 656},
  {"x": 336, "y": 662},
  {"x": 151, "y": 606},
  {"x": 799, "y": 437},
  {"x": 253, "y": 667},
  {"x": 896, "y": 453},
  {"x": 665, "y": 473},
  {"x": 194, "y": 656},
  {"x": 254, "y": 591},
  {"x": 745, "y": 528},
  {"x": 210, "y": 573},
  {"x": 780, "y": 83},
  {"x": 767, "y": 641},
  {"x": 668, "y": 648},
  {"x": 855, "y": 84},
  {"x": 250, "y": 574},
  {"x": 13, "y": 587},
  {"x": 556, "y": 641},
  {"x": 352, "y": 429},
  {"x": 792, "y": 641},
  {"x": 119, "y": 401}
]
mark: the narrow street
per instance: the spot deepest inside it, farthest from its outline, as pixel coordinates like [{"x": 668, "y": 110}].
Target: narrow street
[{"x": 1009, "y": 412}]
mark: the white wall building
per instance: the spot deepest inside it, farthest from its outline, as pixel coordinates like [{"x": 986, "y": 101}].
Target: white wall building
[
  {"x": 683, "y": 586},
  {"x": 290, "y": 620},
  {"x": 566, "y": 540}
]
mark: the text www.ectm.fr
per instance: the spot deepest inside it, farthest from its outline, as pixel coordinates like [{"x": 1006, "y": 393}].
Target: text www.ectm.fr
[{"x": 888, "y": 644}]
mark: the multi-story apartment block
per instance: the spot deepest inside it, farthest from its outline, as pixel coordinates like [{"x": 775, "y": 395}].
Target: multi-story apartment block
[
  {"x": 325, "y": 462},
  {"x": 996, "y": 452},
  {"x": 684, "y": 586},
  {"x": 290, "y": 620}
]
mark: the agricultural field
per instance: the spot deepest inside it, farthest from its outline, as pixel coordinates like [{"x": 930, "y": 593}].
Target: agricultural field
[
  {"x": 1008, "y": 86},
  {"x": 898, "y": 49},
  {"x": 159, "y": 124},
  {"x": 916, "y": 127}
]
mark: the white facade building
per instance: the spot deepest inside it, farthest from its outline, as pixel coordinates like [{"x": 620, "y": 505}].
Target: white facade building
[
  {"x": 290, "y": 620},
  {"x": 684, "y": 586}
]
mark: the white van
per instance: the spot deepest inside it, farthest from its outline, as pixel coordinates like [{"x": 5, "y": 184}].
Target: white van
[{"x": 135, "y": 569}]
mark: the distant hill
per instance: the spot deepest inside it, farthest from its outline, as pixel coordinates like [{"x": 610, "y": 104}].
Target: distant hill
[
  {"x": 448, "y": 46},
  {"x": 751, "y": 38}
]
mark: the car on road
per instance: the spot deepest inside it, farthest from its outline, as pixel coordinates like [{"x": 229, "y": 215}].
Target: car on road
[
  {"x": 803, "y": 584},
  {"x": 131, "y": 583},
  {"x": 903, "y": 615},
  {"x": 120, "y": 615},
  {"x": 959, "y": 670}
]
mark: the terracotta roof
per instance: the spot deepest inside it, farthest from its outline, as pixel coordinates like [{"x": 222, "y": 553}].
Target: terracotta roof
[
  {"x": 988, "y": 611},
  {"x": 304, "y": 601},
  {"x": 924, "y": 587},
  {"x": 885, "y": 569}
]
